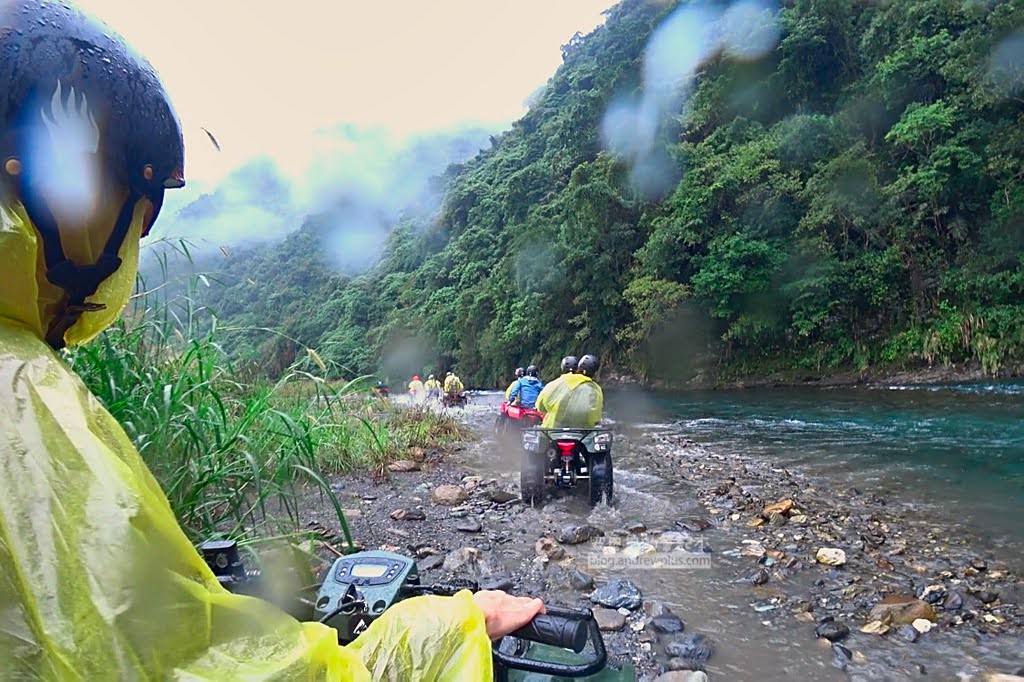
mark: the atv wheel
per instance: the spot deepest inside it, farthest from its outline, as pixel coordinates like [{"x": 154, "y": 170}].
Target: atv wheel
[
  {"x": 500, "y": 426},
  {"x": 531, "y": 478},
  {"x": 601, "y": 476}
]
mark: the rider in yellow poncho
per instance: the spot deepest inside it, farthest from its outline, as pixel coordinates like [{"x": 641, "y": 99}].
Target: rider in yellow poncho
[
  {"x": 97, "y": 580},
  {"x": 453, "y": 384},
  {"x": 573, "y": 400}
]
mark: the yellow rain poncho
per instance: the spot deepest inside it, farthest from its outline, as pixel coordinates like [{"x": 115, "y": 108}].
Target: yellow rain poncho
[
  {"x": 97, "y": 580},
  {"x": 571, "y": 401},
  {"x": 453, "y": 384}
]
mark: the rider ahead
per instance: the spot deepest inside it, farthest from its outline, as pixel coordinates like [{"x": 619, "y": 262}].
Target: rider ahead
[
  {"x": 525, "y": 391},
  {"x": 573, "y": 400},
  {"x": 97, "y": 579},
  {"x": 508, "y": 391},
  {"x": 433, "y": 388},
  {"x": 453, "y": 384}
]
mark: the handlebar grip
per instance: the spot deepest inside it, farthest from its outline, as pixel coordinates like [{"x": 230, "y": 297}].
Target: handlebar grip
[{"x": 554, "y": 630}]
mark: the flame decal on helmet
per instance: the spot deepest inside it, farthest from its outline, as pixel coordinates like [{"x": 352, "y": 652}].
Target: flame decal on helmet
[{"x": 71, "y": 126}]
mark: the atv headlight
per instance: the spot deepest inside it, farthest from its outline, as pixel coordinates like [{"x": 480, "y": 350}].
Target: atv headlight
[
  {"x": 603, "y": 442},
  {"x": 531, "y": 440}
]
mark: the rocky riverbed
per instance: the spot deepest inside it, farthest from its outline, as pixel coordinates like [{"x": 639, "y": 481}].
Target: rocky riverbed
[{"x": 867, "y": 588}]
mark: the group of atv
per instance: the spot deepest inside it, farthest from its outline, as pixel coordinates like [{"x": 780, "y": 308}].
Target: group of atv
[{"x": 556, "y": 457}]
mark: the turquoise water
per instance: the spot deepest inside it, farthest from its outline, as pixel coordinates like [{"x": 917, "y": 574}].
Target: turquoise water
[{"x": 955, "y": 449}]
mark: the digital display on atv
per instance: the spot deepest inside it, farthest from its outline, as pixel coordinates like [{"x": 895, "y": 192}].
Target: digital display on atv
[{"x": 369, "y": 570}]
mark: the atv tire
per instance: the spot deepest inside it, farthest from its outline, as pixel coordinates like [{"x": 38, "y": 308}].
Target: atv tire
[
  {"x": 601, "y": 479},
  {"x": 531, "y": 478}
]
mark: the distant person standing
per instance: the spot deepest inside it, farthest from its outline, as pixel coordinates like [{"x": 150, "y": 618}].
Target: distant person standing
[
  {"x": 416, "y": 388},
  {"x": 433, "y": 388}
]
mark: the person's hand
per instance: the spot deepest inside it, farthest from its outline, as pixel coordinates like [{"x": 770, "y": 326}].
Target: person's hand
[{"x": 504, "y": 613}]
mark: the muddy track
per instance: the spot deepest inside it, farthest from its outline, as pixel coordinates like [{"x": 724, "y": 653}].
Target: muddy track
[{"x": 771, "y": 608}]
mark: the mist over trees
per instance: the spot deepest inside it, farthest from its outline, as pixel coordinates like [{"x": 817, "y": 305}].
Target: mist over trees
[{"x": 851, "y": 197}]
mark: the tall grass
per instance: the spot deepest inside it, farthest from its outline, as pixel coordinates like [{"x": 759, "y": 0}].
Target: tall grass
[{"x": 238, "y": 455}]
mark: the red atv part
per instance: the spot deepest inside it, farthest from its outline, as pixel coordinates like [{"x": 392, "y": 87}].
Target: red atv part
[
  {"x": 566, "y": 447},
  {"x": 517, "y": 412}
]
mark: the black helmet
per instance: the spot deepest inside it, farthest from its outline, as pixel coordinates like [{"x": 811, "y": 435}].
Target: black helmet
[
  {"x": 531, "y": 370},
  {"x": 589, "y": 364},
  {"x": 569, "y": 363},
  {"x": 520, "y": 372},
  {"x": 66, "y": 74}
]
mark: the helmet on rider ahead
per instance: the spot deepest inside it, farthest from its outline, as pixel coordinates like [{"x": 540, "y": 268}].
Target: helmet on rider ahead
[
  {"x": 569, "y": 364},
  {"x": 531, "y": 371},
  {"x": 520, "y": 372},
  {"x": 589, "y": 364}
]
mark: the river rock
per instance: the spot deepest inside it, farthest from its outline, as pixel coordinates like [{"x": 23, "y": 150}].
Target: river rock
[
  {"x": 832, "y": 630},
  {"x": 875, "y": 627},
  {"x": 694, "y": 525},
  {"x": 682, "y": 676},
  {"x": 449, "y": 495},
  {"x": 922, "y": 625},
  {"x": 684, "y": 664},
  {"x": 580, "y": 580},
  {"x": 780, "y": 507},
  {"x": 430, "y": 563},
  {"x": 499, "y": 496},
  {"x": 669, "y": 540},
  {"x": 777, "y": 520},
  {"x": 408, "y": 515},
  {"x": 695, "y": 647},
  {"x": 933, "y": 594},
  {"x": 841, "y": 656},
  {"x": 634, "y": 550},
  {"x": 986, "y": 596},
  {"x": 467, "y": 560},
  {"x": 907, "y": 633},
  {"x": 469, "y": 526},
  {"x": 638, "y": 527},
  {"x": 761, "y": 577},
  {"x": 830, "y": 556},
  {"x": 575, "y": 535},
  {"x": 502, "y": 581},
  {"x": 404, "y": 466},
  {"x": 953, "y": 602},
  {"x": 901, "y": 610},
  {"x": 667, "y": 623},
  {"x": 547, "y": 547},
  {"x": 618, "y": 593},
  {"x": 609, "y": 620}
]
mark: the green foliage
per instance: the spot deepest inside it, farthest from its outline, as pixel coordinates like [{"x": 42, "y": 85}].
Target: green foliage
[
  {"x": 234, "y": 452},
  {"x": 855, "y": 197}
]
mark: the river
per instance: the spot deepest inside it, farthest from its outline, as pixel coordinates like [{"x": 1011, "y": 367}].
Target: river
[
  {"x": 953, "y": 454},
  {"x": 956, "y": 450}
]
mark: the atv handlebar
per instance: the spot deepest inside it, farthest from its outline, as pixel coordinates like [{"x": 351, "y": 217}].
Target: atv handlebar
[
  {"x": 551, "y": 628},
  {"x": 563, "y": 628}
]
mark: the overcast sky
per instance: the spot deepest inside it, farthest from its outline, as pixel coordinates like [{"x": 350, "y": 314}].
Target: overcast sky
[{"x": 264, "y": 76}]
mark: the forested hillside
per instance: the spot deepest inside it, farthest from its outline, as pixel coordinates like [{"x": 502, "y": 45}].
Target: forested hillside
[{"x": 851, "y": 198}]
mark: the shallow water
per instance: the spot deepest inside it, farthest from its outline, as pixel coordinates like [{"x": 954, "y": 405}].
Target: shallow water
[
  {"x": 954, "y": 453},
  {"x": 955, "y": 450}
]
